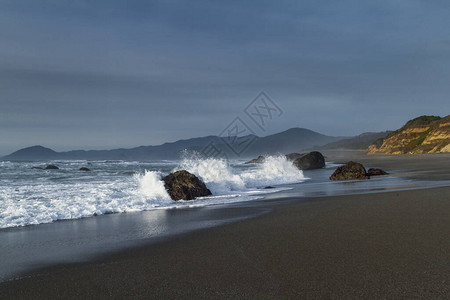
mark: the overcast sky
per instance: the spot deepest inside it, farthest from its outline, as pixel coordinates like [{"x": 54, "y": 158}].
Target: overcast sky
[{"x": 105, "y": 74}]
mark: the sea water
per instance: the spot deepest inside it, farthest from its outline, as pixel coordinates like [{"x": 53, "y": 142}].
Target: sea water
[{"x": 35, "y": 196}]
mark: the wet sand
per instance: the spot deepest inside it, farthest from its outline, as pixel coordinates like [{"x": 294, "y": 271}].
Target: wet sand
[{"x": 382, "y": 245}]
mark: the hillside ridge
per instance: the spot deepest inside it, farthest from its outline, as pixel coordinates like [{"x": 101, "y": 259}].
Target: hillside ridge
[{"x": 424, "y": 134}]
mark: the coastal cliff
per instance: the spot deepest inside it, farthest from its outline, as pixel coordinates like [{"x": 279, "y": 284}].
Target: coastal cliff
[{"x": 425, "y": 134}]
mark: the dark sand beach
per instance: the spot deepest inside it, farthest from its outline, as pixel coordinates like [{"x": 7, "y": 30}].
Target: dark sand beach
[{"x": 379, "y": 245}]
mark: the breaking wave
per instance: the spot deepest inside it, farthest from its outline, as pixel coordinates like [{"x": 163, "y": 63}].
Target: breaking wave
[
  {"x": 220, "y": 177},
  {"x": 29, "y": 196}
]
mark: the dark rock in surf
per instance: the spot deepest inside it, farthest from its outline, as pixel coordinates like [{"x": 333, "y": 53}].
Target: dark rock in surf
[
  {"x": 184, "y": 185},
  {"x": 351, "y": 170},
  {"x": 376, "y": 172},
  {"x": 84, "y": 169},
  {"x": 258, "y": 160},
  {"x": 51, "y": 167},
  {"x": 310, "y": 161},
  {"x": 268, "y": 187}
]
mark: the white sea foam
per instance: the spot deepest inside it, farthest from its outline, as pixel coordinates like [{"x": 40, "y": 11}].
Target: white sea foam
[
  {"x": 151, "y": 185},
  {"x": 216, "y": 173},
  {"x": 275, "y": 170},
  {"x": 220, "y": 177},
  {"x": 30, "y": 196}
]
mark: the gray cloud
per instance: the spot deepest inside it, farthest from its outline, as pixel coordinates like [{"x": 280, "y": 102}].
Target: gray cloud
[{"x": 103, "y": 74}]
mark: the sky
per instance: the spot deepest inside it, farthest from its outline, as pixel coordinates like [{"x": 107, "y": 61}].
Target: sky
[{"x": 107, "y": 74}]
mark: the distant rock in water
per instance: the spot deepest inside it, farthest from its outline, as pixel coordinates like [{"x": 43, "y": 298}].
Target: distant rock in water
[
  {"x": 258, "y": 160},
  {"x": 376, "y": 172},
  {"x": 310, "y": 161},
  {"x": 351, "y": 170},
  {"x": 184, "y": 185},
  {"x": 84, "y": 169},
  {"x": 51, "y": 167}
]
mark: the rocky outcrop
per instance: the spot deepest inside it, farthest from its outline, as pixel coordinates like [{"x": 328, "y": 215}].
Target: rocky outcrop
[
  {"x": 376, "y": 172},
  {"x": 184, "y": 185},
  {"x": 351, "y": 170},
  {"x": 51, "y": 167},
  {"x": 85, "y": 169},
  {"x": 425, "y": 134},
  {"x": 310, "y": 161}
]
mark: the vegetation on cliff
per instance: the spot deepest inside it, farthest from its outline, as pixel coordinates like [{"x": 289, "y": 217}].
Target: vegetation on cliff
[{"x": 425, "y": 134}]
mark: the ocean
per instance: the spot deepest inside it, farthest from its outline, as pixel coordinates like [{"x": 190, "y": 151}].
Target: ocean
[
  {"x": 30, "y": 196},
  {"x": 67, "y": 215}
]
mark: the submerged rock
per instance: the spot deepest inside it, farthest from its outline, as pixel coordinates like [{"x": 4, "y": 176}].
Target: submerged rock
[
  {"x": 293, "y": 156},
  {"x": 351, "y": 170},
  {"x": 258, "y": 160},
  {"x": 84, "y": 169},
  {"x": 184, "y": 185},
  {"x": 51, "y": 167},
  {"x": 310, "y": 161},
  {"x": 376, "y": 172}
]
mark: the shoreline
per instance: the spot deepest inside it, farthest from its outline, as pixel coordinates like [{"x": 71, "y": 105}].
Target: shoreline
[
  {"x": 352, "y": 246},
  {"x": 82, "y": 240}
]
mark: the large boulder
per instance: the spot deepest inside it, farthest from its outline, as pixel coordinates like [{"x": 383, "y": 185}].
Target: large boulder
[
  {"x": 309, "y": 161},
  {"x": 376, "y": 172},
  {"x": 184, "y": 185},
  {"x": 351, "y": 170}
]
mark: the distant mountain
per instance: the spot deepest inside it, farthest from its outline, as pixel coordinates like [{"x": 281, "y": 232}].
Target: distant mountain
[
  {"x": 292, "y": 140},
  {"x": 425, "y": 134},
  {"x": 164, "y": 151},
  {"x": 359, "y": 142},
  {"x": 33, "y": 153}
]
